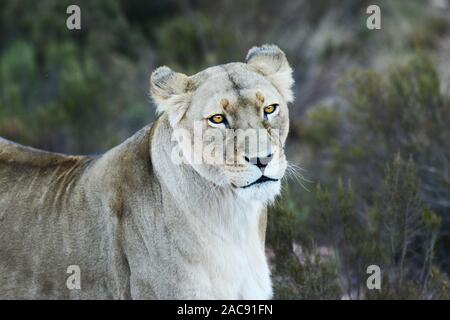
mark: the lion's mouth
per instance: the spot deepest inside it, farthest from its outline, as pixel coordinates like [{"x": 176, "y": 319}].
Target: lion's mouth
[{"x": 262, "y": 179}]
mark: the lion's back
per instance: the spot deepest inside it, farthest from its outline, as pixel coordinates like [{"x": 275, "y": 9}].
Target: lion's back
[
  {"x": 16, "y": 154},
  {"x": 24, "y": 170}
]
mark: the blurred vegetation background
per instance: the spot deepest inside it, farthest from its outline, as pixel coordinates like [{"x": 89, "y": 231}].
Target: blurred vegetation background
[{"x": 370, "y": 137}]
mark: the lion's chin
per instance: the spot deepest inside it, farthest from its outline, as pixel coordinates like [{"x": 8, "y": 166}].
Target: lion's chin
[{"x": 264, "y": 192}]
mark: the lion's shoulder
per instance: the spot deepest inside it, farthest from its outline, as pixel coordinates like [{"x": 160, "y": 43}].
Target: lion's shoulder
[{"x": 11, "y": 152}]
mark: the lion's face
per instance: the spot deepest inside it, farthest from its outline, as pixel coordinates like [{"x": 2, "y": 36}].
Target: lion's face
[{"x": 231, "y": 121}]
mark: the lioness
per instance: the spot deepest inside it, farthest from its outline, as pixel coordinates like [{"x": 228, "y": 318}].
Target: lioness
[{"x": 140, "y": 226}]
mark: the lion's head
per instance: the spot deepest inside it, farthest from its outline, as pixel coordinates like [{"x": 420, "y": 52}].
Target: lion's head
[{"x": 231, "y": 121}]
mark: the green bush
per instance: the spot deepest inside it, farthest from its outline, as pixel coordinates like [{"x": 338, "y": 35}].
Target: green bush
[
  {"x": 397, "y": 232},
  {"x": 391, "y": 215},
  {"x": 298, "y": 269}
]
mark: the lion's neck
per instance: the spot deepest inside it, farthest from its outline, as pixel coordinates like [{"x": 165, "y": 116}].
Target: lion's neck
[{"x": 216, "y": 207}]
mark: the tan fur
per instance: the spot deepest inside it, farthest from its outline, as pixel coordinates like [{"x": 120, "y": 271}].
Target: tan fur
[
  {"x": 260, "y": 97},
  {"x": 138, "y": 225}
]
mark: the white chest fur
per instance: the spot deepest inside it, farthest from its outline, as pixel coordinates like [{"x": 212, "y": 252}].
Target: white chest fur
[{"x": 237, "y": 267}]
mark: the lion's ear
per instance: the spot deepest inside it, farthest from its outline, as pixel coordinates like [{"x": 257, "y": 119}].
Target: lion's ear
[
  {"x": 171, "y": 92},
  {"x": 270, "y": 61}
]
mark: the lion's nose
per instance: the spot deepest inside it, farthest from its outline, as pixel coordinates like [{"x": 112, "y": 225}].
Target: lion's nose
[{"x": 260, "y": 162}]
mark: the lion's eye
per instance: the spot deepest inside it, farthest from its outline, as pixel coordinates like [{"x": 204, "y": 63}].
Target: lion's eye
[
  {"x": 217, "y": 119},
  {"x": 270, "y": 109}
]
